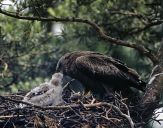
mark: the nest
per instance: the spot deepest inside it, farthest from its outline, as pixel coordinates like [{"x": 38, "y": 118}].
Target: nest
[{"x": 78, "y": 111}]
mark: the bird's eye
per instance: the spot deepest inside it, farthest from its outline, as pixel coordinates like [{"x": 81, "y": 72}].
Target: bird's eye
[
  {"x": 35, "y": 94},
  {"x": 39, "y": 93},
  {"x": 31, "y": 95}
]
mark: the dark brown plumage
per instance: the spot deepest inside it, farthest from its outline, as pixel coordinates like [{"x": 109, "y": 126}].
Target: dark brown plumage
[{"x": 98, "y": 72}]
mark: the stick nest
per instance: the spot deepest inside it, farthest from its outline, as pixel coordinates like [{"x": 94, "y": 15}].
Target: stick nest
[{"x": 78, "y": 111}]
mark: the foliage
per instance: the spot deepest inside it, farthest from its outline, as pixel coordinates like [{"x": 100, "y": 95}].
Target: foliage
[
  {"x": 29, "y": 50},
  {"x": 25, "y": 52}
]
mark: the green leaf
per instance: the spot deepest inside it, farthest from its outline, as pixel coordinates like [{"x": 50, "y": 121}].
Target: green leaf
[{"x": 51, "y": 11}]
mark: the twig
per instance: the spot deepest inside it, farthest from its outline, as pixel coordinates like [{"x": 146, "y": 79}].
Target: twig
[
  {"x": 108, "y": 111},
  {"x": 19, "y": 101},
  {"x": 93, "y": 100},
  {"x": 10, "y": 116},
  {"x": 109, "y": 119},
  {"x": 68, "y": 83}
]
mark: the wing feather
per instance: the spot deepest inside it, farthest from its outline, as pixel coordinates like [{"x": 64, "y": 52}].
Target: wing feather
[
  {"x": 99, "y": 66},
  {"x": 119, "y": 64}
]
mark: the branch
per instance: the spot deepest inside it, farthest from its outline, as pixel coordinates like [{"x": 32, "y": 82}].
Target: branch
[
  {"x": 10, "y": 116},
  {"x": 15, "y": 77},
  {"x": 149, "y": 25},
  {"x": 129, "y": 13},
  {"x": 101, "y": 33},
  {"x": 155, "y": 88}
]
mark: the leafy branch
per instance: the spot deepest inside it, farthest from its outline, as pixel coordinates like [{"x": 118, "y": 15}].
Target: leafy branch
[{"x": 99, "y": 30}]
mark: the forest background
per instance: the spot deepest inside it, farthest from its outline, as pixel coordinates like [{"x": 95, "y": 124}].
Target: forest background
[{"x": 29, "y": 50}]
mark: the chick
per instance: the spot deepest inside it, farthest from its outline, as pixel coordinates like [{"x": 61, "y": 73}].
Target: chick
[{"x": 48, "y": 93}]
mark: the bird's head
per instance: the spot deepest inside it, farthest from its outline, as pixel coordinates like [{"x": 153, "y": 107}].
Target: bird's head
[
  {"x": 63, "y": 63},
  {"x": 66, "y": 62},
  {"x": 56, "y": 79}
]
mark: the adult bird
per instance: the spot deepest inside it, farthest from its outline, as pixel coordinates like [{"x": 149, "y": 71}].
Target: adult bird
[
  {"x": 48, "y": 93},
  {"x": 99, "y": 73}
]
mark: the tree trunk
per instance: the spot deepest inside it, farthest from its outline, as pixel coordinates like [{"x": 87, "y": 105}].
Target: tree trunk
[{"x": 154, "y": 89}]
